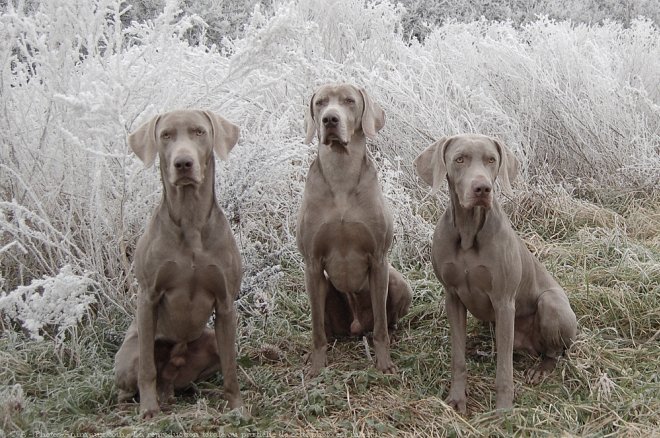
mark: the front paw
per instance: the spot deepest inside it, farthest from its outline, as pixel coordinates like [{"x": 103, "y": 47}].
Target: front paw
[
  {"x": 504, "y": 402},
  {"x": 458, "y": 401},
  {"x": 317, "y": 361},
  {"x": 386, "y": 366},
  {"x": 125, "y": 396},
  {"x": 166, "y": 395},
  {"x": 241, "y": 411},
  {"x": 235, "y": 402},
  {"x": 149, "y": 410}
]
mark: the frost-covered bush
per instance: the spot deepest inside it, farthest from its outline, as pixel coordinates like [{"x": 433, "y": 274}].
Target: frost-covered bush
[
  {"x": 219, "y": 18},
  {"x": 576, "y": 103},
  {"x": 423, "y": 15},
  {"x": 572, "y": 101},
  {"x": 53, "y": 303}
]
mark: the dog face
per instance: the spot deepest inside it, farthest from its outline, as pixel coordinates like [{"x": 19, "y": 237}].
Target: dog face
[
  {"x": 339, "y": 111},
  {"x": 471, "y": 164},
  {"x": 184, "y": 144},
  {"x": 184, "y": 140}
]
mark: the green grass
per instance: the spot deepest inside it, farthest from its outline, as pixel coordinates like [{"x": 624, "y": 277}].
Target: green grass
[{"x": 606, "y": 253}]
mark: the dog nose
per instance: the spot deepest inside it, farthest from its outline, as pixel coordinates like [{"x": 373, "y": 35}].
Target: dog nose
[
  {"x": 330, "y": 120},
  {"x": 183, "y": 163},
  {"x": 481, "y": 188}
]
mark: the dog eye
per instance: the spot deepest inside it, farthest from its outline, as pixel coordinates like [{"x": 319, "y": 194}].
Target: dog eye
[
  {"x": 349, "y": 100},
  {"x": 165, "y": 136},
  {"x": 459, "y": 160},
  {"x": 321, "y": 102},
  {"x": 199, "y": 132},
  {"x": 491, "y": 160}
]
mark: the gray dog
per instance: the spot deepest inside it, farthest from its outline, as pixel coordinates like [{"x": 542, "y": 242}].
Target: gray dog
[
  {"x": 487, "y": 269},
  {"x": 345, "y": 228},
  {"x": 187, "y": 265}
]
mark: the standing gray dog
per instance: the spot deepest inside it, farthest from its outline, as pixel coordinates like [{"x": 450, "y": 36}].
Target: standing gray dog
[
  {"x": 487, "y": 269},
  {"x": 187, "y": 265},
  {"x": 345, "y": 229}
]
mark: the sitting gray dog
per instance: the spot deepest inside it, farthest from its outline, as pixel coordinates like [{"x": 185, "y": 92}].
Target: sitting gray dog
[
  {"x": 187, "y": 265},
  {"x": 487, "y": 269},
  {"x": 345, "y": 228}
]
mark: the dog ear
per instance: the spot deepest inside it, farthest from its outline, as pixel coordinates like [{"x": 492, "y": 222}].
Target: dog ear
[
  {"x": 430, "y": 164},
  {"x": 143, "y": 142},
  {"x": 508, "y": 167},
  {"x": 310, "y": 123},
  {"x": 225, "y": 134},
  {"x": 373, "y": 117}
]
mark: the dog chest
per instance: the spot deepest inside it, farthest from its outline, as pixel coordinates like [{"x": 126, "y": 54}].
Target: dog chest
[
  {"x": 473, "y": 284},
  {"x": 342, "y": 239},
  {"x": 187, "y": 298},
  {"x": 345, "y": 249}
]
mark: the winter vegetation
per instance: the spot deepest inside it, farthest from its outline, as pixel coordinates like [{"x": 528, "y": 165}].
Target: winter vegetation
[{"x": 572, "y": 87}]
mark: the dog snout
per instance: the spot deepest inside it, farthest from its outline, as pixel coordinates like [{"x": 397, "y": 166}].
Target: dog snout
[
  {"x": 184, "y": 163},
  {"x": 330, "y": 119},
  {"x": 333, "y": 127},
  {"x": 481, "y": 188}
]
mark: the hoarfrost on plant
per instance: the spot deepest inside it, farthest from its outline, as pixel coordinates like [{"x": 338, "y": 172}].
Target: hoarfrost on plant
[{"x": 58, "y": 302}]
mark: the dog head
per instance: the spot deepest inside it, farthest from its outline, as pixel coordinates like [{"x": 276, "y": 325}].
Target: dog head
[
  {"x": 340, "y": 111},
  {"x": 471, "y": 163},
  {"x": 184, "y": 140}
]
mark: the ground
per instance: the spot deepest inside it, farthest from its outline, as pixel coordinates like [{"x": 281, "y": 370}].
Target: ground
[{"x": 603, "y": 251}]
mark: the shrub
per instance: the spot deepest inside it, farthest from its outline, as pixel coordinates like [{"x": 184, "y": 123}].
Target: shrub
[{"x": 58, "y": 303}]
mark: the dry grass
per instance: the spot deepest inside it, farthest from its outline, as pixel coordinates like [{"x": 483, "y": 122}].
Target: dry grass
[{"x": 608, "y": 385}]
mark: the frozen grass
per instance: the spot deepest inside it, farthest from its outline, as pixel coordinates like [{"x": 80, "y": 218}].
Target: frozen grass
[
  {"x": 607, "y": 386},
  {"x": 577, "y": 104}
]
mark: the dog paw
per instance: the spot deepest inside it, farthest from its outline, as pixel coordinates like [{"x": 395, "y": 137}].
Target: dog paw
[
  {"x": 387, "y": 366},
  {"x": 166, "y": 396},
  {"x": 317, "y": 361},
  {"x": 457, "y": 397},
  {"x": 242, "y": 412},
  {"x": 313, "y": 371},
  {"x": 459, "y": 404},
  {"x": 149, "y": 413},
  {"x": 234, "y": 401},
  {"x": 537, "y": 374},
  {"x": 126, "y": 396}
]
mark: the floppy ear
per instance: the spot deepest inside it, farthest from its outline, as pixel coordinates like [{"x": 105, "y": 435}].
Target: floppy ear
[
  {"x": 143, "y": 142},
  {"x": 225, "y": 134},
  {"x": 373, "y": 117},
  {"x": 508, "y": 167},
  {"x": 430, "y": 164},
  {"x": 310, "y": 123}
]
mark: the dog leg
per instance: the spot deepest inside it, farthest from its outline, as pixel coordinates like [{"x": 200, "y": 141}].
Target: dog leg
[
  {"x": 337, "y": 314},
  {"x": 126, "y": 365},
  {"x": 147, "y": 368},
  {"x": 317, "y": 289},
  {"x": 378, "y": 281},
  {"x": 457, "y": 315},
  {"x": 225, "y": 333},
  {"x": 556, "y": 328},
  {"x": 505, "y": 313},
  {"x": 399, "y": 297},
  {"x": 168, "y": 370}
]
